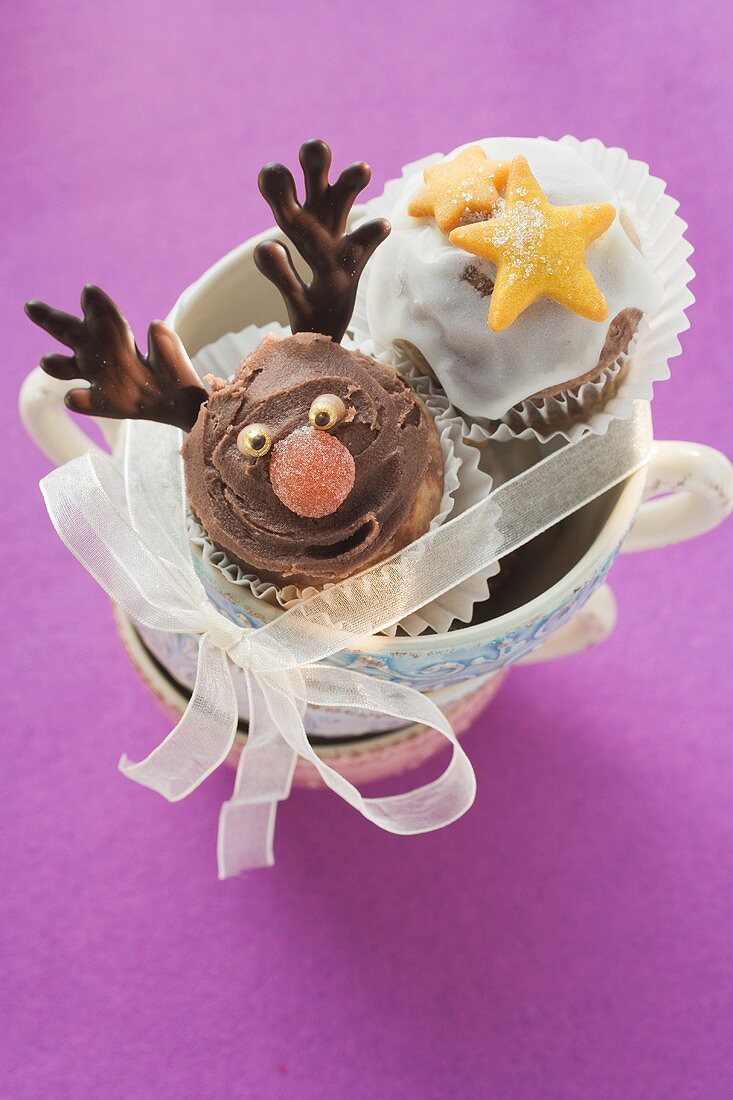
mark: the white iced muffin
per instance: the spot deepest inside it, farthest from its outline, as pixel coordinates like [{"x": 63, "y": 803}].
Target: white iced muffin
[{"x": 574, "y": 286}]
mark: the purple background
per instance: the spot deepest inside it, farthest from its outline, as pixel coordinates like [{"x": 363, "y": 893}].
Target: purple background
[{"x": 571, "y": 936}]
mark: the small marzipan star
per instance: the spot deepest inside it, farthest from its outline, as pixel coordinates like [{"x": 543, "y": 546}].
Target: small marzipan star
[
  {"x": 538, "y": 249},
  {"x": 457, "y": 189}
]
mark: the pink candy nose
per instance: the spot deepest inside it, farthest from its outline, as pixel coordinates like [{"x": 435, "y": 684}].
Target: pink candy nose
[{"x": 311, "y": 472}]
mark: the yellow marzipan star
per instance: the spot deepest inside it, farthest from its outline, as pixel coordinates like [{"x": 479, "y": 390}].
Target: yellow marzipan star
[
  {"x": 459, "y": 188},
  {"x": 538, "y": 249}
]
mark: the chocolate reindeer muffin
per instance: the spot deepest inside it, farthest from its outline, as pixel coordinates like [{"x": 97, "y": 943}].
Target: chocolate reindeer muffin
[{"x": 314, "y": 462}]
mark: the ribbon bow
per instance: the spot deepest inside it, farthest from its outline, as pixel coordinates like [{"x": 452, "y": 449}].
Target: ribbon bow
[{"x": 123, "y": 517}]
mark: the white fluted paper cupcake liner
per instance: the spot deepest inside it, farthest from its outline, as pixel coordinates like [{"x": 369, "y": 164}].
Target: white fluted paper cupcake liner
[
  {"x": 464, "y": 484},
  {"x": 661, "y": 234}
]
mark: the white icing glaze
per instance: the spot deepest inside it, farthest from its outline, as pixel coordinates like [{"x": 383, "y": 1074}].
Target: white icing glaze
[{"x": 416, "y": 292}]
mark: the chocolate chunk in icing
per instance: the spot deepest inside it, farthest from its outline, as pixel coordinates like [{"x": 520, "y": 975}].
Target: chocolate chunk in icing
[
  {"x": 397, "y": 475},
  {"x": 620, "y": 334},
  {"x": 479, "y": 280}
]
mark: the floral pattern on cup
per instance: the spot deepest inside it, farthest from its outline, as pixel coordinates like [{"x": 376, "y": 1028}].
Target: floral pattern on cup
[{"x": 424, "y": 668}]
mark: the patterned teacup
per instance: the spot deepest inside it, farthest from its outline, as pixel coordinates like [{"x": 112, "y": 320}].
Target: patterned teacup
[{"x": 553, "y": 603}]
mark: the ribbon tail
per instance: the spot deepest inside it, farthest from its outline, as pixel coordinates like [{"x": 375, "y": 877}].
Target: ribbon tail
[
  {"x": 202, "y": 738},
  {"x": 264, "y": 777}
]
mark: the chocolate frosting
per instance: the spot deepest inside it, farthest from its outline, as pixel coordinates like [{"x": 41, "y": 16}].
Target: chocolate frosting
[{"x": 393, "y": 441}]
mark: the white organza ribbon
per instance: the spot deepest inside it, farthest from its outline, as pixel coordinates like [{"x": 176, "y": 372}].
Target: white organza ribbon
[{"x": 124, "y": 519}]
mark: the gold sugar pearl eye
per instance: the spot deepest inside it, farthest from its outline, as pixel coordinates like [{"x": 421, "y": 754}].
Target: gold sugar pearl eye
[
  {"x": 327, "y": 411},
  {"x": 254, "y": 440}
]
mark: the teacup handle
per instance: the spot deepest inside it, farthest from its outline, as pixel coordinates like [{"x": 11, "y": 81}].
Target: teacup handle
[
  {"x": 689, "y": 490},
  {"x": 49, "y": 423}
]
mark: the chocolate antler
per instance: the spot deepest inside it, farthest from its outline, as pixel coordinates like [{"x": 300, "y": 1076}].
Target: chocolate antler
[
  {"x": 124, "y": 384},
  {"x": 317, "y": 229}
]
